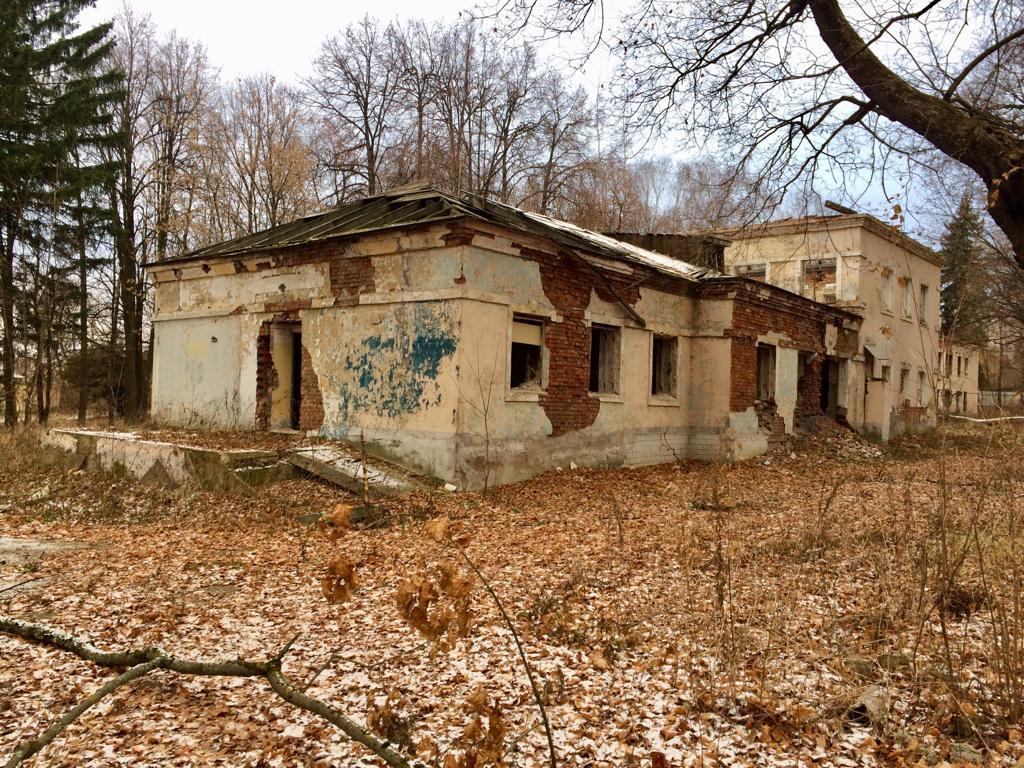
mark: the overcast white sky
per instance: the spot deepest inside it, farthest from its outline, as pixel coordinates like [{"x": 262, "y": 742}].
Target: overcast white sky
[
  {"x": 259, "y": 36},
  {"x": 282, "y": 38}
]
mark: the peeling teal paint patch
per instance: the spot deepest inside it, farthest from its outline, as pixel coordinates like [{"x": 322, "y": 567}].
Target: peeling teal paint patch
[{"x": 395, "y": 373}]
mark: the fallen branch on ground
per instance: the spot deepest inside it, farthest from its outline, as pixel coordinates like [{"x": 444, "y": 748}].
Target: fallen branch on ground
[
  {"x": 140, "y": 662},
  {"x": 993, "y": 420}
]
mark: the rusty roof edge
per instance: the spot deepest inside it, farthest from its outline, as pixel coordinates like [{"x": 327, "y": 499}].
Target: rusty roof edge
[
  {"x": 708, "y": 236},
  {"x": 200, "y": 256},
  {"x": 324, "y": 227},
  {"x": 595, "y": 242}
]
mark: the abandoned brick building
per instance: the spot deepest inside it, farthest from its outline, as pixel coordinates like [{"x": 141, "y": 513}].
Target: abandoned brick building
[
  {"x": 470, "y": 339},
  {"x": 889, "y": 280}
]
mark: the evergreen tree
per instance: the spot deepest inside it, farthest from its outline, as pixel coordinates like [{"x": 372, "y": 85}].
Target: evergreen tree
[
  {"x": 963, "y": 292},
  {"x": 55, "y": 109}
]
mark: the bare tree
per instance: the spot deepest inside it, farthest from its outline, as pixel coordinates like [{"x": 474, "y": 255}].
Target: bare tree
[
  {"x": 563, "y": 136},
  {"x": 415, "y": 51},
  {"x": 181, "y": 87},
  {"x": 792, "y": 82},
  {"x": 356, "y": 85},
  {"x": 134, "y": 56},
  {"x": 261, "y": 132}
]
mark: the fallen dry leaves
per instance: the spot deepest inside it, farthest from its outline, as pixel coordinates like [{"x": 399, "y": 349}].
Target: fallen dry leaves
[{"x": 667, "y": 629}]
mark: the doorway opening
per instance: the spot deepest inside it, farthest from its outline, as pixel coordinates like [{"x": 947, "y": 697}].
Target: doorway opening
[
  {"x": 279, "y": 375},
  {"x": 829, "y": 392}
]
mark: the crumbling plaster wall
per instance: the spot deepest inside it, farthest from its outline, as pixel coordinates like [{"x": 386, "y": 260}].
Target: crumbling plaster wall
[
  {"x": 864, "y": 259},
  {"x": 519, "y": 429},
  {"x": 784, "y": 253},
  {"x": 387, "y": 371},
  {"x": 406, "y": 340},
  {"x": 910, "y": 342},
  {"x": 213, "y": 383},
  {"x": 791, "y": 325},
  {"x": 195, "y": 372}
]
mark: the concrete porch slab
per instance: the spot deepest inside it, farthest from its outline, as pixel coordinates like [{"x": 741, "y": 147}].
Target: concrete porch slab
[
  {"x": 344, "y": 467},
  {"x": 163, "y": 463},
  {"x": 174, "y": 464}
]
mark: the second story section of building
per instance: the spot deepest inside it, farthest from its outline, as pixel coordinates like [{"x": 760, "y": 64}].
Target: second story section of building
[{"x": 851, "y": 260}]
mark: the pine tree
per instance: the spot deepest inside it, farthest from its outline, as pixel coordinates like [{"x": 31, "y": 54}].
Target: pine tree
[
  {"x": 963, "y": 291},
  {"x": 58, "y": 89}
]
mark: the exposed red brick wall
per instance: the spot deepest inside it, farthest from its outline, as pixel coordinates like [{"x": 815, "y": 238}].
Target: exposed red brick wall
[
  {"x": 753, "y": 314},
  {"x": 751, "y": 318},
  {"x": 266, "y": 377},
  {"x": 460, "y": 234},
  {"x": 350, "y": 277},
  {"x": 288, "y": 309},
  {"x": 311, "y": 404},
  {"x": 567, "y": 403},
  {"x": 808, "y": 392},
  {"x": 567, "y": 283},
  {"x": 777, "y": 432},
  {"x": 743, "y": 390}
]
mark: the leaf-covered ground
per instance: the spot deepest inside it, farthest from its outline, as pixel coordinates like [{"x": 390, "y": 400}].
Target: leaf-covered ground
[{"x": 716, "y": 615}]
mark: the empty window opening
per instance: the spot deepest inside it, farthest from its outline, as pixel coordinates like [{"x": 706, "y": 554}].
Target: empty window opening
[
  {"x": 526, "y": 359},
  {"x": 922, "y": 310},
  {"x": 904, "y": 380},
  {"x": 757, "y": 272},
  {"x": 819, "y": 279},
  {"x": 663, "y": 366},
  {"x": 920, "y": 387},
  {"x": 765, "y": 372},
  {"x": 908, "y": 298},
  {"x": 959, "y": 362},
  {"x": 889, "y": 293},
  {"x": 604, "y": 359}
]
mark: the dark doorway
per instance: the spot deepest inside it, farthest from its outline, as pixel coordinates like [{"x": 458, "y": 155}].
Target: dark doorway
[
  {"x": 296, "y": 399},
  {"x": 279, "y": 375},
  {"x": 829, "y": 386}
]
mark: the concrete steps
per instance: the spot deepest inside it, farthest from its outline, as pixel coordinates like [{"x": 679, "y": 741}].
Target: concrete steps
[{"x": 344, "y": 467}]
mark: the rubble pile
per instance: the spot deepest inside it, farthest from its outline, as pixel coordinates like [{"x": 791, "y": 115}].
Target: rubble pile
[{"x": 823, "y": 436}]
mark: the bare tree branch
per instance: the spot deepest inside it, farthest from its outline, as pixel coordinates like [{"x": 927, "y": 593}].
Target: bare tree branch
[
  {"x": 143, "y": 661},
  {"x": 26, "y": 749}
]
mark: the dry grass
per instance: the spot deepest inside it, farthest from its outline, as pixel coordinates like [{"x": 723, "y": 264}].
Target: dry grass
[{"x": 719, "y": 614}]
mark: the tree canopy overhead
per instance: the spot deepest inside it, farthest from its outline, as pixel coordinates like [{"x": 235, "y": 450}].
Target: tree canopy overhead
[{"x": 797, "y": 84}]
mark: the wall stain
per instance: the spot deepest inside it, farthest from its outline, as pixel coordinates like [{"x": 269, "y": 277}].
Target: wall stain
[{"x": 394, "y": 373}]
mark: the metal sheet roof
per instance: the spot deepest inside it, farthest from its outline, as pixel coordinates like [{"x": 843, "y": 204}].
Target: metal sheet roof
[{"x": 419, "y": 204}]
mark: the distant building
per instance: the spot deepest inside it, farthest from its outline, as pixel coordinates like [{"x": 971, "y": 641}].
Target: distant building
[
  {"x": 858, "y": 263},
  {"x": 861, "y": 264},
  {"x": 958, "y": 367}
]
